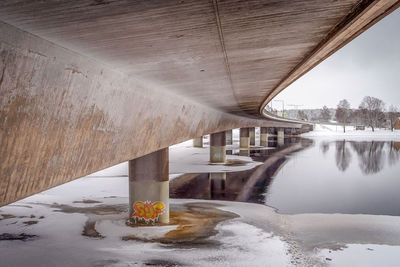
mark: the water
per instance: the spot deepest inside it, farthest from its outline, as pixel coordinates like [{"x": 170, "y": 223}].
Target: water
[
  {"x": 352, "y": 177},
  {"x": 310, "y": 176}
]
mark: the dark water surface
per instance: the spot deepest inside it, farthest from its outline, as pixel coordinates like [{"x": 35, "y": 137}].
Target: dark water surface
[{"x": 309, "y": 176}]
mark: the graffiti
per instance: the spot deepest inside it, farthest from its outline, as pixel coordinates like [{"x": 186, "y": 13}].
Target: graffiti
[{"x": 147, "y": 210}]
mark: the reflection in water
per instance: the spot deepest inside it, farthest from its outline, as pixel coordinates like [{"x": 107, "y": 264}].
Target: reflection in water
[
  {"x": 371, "y": 154},
  {"x": 343, "y": 156},
  {"x": 394, "y": 153},
  {"x": 244, "y": 152},
  {"x": 324, "y": 147},
  {"x": 217, "y": 185},
  {"x": 246, "y": 185},
  {"x": 350, "y": 177},
  {"x": 367, "y": 185}
]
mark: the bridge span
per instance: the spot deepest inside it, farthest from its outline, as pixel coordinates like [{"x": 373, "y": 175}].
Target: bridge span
[{"x": 87, "y": 84}]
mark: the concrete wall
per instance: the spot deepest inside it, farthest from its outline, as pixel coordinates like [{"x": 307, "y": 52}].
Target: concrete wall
[{"x": 64, "y": 115}]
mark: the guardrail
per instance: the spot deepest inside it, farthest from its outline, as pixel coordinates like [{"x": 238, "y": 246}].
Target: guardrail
[{"x": 272, "y": 116}]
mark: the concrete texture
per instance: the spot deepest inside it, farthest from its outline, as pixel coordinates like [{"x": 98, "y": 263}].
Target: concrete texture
[
  {"x": 252, "y": 136},
  {"x": 87, "y": 84},
  {"x": 281, "y": 136},
  {"x": 149, "y": 184},
  {"x": 264, "y": 136},
  {"x": 198, "y": 142},
  {"x": 241, "y": 49},
  {"x": 218, "y": 147},
  {"x": 64, "y": 115},
  {"x": 244, "y": 138},
  {"x": 229, "y": 137}
]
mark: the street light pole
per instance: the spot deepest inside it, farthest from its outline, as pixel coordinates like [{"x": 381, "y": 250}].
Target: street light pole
[{"x": 283, "y": 105}]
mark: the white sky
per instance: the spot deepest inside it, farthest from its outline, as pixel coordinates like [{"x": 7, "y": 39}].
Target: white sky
[{"x": 369, "y": 65}]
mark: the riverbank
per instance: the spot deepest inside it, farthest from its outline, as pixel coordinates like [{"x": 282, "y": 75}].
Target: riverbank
[
  {"x": 327, "y": 130},
  {"x": 92, "y": 228}
]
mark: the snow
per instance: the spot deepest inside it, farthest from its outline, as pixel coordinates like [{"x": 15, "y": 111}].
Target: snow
[
  {"x": 333, "y": 131},
  {"x": 59, "y": 241}
]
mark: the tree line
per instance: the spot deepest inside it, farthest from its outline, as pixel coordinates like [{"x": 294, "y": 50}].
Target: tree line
[{"x": 370, "y": 113}]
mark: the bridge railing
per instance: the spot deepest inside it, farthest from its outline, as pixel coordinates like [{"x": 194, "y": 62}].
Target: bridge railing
[{"x": 270, "y": 114}]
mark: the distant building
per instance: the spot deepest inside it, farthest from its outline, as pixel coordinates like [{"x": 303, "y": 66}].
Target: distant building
[
  {"x": 360, "y": 128},
  {"x": 397, "y": 124}
]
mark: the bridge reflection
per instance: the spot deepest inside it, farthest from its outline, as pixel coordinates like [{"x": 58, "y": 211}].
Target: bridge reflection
[
  {"x": 246, "y": 185},
  {"x": 251, "y": 185}
]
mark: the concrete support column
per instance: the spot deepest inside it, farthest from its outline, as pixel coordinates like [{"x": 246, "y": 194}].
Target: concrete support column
[
  {"x": 217, "y": 185},
  {"x": 218, "y": 147},
  {"x": 244, "y": 137},
  {"x": 264, "y": 136},
  {"x": 198, "y": 142},
  {"x": 149, "y": 188},
  {"x": 281, "y": 136},
  {"x": 229, "y": 137},
  {"x": 252, "y": 136}
]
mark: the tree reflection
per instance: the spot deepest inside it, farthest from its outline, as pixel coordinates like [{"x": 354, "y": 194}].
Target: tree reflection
[
  {"x": 394, "y": 153},
  {"x": 371, "y": 156},
  {"x": 325, "y": 147},
  {"x": 343, "y": 155}
]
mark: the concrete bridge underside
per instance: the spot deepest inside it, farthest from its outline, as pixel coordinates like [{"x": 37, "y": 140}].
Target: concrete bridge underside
[{"x": 87, "y": 84}]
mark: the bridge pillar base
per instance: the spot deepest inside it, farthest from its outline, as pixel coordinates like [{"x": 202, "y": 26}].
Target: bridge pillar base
[
  {"x": 229, "y": 137},
  {"x": 198, "y": 142},
  {"x": 244, "y": 137},
  {"x": 264, "y": 136},
  {"x": 149, "y": 188},
  {"x": 252, "y": 136},
  {"x": 218, "y": 147}
]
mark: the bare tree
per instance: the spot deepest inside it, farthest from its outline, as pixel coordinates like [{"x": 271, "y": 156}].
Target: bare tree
[
  {"x": 302, "y": 115},
  {"x": 325, "y": 114},
  {"x": 343, "y": 113},
  {"x": 393, "y": 115},
  {"x": 372, "y": 109}
]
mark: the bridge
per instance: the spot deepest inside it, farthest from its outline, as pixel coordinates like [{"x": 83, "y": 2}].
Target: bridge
[{"x": 87, "y": 84}]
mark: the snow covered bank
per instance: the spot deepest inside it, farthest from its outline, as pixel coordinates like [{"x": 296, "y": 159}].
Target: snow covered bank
[{"x": 333, "y": 131}]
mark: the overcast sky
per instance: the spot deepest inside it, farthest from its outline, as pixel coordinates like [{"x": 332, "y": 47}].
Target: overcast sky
[{"x": 369, "y": 65}]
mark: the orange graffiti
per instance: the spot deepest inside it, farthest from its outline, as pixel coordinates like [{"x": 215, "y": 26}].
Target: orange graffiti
[{"x": 147, "y": 210}]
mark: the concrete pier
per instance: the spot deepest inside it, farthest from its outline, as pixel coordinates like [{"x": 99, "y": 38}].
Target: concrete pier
[
  {"x": 229, "y": 137},
  {"x": 198, "y": 142},
  {"x": 218, "y": 147},
  {"x": 264, "y": 136},
  {"x": 149, "y": 188},
  {"x": 252, "y": 136},
  {"x": 281, "y": 136},
  {"x": 244, "y": 137},
  {"x": 217, "y": 185}
]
